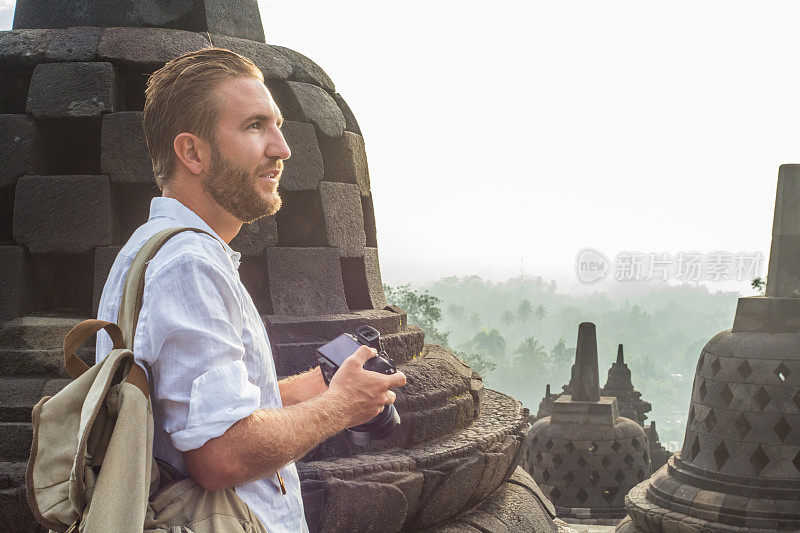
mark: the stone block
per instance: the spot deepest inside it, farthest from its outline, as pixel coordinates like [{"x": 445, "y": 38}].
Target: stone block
[
  {"x": 300, "y": 221},
  {"x": 256, "y": 237},
  {"x": 15, "y": 440},
  {"x": 288, "y": 329},
  {"x": 349, "y": 118},
  {"x": 346, "y": 160},
  {"x": 123, "y": 151},
  {"x": 305, "y": 70},
  {"x": 61, "y": 90},
  {"x": 147, "y": 47},
  {"x": 24, "y": 46},
  {"x": 362, "y": 281},
  {"x": 314, "y": 105},
  {"x": 16, "y": 148},
  {"x": 369, "y": 221},
  {"x": 104, "y": 257},
  {"x": 784, "y": 271},
  {"x": 273, "y": 64},
  {"x": 74, "y": 44},
  {"x": 305, "y": 281},
  {"x": 14, "y": 298},
  {"x": 304, "y": 170},
  {"x": 344, "y": 221},
  {"x": 238, "y": 18},
  {"x": 6, "y": 215},
  {"x": 62, "y": 214}
]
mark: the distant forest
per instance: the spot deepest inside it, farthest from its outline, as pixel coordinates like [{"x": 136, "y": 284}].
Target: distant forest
[{"x": 520, "y": 335}]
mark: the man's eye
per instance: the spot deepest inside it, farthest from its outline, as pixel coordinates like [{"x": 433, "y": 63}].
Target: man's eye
[{"x": 254, "y": 124}]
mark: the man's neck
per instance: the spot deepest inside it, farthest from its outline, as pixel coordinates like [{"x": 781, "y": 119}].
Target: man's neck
[{"x": 223, "y": 223}]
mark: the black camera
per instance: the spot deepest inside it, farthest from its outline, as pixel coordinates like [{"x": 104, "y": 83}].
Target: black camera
[{"x": 331, "y": 356}]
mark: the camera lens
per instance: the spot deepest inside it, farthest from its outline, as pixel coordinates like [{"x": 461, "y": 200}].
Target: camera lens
[{"x": 378, "y": 428}]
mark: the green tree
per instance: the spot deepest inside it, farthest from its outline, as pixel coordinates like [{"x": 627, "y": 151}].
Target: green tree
[
  {"x": 477, "y": 362},
  {"x": 507, "y": 317},
  {"x": 475, "y": 320},
  {"x": 422, "y": 309},
  {"x": 489, "y": 343},
  {"x": 540, "y": 313},
  {"x": 532, "y": 355},
  {"x": 759, "y": 285},
  {"x": 456, "y": 312},
  {"x": 524, "y": 310}
]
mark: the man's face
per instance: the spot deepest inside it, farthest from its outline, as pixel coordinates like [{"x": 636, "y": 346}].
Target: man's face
[{"x": 248, "y": 152}]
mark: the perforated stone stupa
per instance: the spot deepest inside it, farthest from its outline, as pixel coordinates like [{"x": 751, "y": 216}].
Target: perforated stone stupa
[
  {"x": 739, "y": 467},
  {"x": 76, "y": 180},
  {"x": 585, "y": 456}
]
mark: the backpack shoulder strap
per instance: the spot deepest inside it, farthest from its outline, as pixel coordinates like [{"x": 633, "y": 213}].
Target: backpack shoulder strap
[{"x": 133, "y": 291}]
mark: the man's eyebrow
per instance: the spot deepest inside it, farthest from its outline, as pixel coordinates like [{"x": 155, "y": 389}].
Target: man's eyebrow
[{"x": 261, "y": 117}]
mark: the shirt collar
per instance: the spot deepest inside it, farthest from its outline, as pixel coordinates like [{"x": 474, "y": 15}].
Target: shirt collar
[{"x": 162, "y": 207}]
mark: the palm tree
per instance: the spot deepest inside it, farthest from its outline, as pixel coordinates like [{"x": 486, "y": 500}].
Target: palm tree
[
  {"x": 474, "y": 320},
  {"x": 489, "y": 343},
  {"x": 531, "y": 355},
  {"x": 540, "y": 313},
  {"x": 507, "y": 317},
  {"x": 524, "y": 310}
]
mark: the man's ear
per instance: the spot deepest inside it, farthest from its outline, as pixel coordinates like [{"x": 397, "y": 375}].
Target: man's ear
[{"x": 191, "y": 151}]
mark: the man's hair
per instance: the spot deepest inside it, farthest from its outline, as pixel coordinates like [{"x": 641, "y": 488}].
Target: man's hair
[{"x": 180, "y": 98}]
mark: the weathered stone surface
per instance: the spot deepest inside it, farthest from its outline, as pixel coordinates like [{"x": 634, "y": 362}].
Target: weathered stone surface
[
  {"x": 305, "y": 281},
  {"x": 150, "y": 47},
  {"x": 124, "y": 156},
  {"x": 305, "y": 70},
  {"x": 351, "y": 124},
  {"x": 238, "y": 18},
  {"x": 60, "y": 90},
  {"x": 344, "y": 221},
  {"x": 13, "y": 282},
  {"x": 322, "y": 328},
  {"x": 18, "y": 396},
  {"x": 15, "y": 440},
  {"x": 78, "y": 210},
  {"x": 74, "y": 44},
  {"x": 24, "y": 47},
  {"x": 346, "y": 160},
  {"x": 316, "y": 106},
  {"x": 304, "y": 170},
  {"x": 254, "y": 238},
  {"x": 6, "y": 215},
  {"x": 274, "y": 65},
  {"x": 104, "y": 257},
  {"x": 585, "y": 379},
  {"x": 369, "y": 221},
  {"x": 362, "y": 281},
  {"x": 16, "y": 147}
]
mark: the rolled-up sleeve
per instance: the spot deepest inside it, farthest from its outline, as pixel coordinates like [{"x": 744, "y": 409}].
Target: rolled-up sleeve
[{"x": 189, "y": 333}]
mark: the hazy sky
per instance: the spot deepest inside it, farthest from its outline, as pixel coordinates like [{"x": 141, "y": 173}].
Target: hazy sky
[{"x": 501, "y": 134}]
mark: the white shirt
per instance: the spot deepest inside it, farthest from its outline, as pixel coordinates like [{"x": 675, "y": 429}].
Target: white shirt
[{"x": 206, "y": 345}]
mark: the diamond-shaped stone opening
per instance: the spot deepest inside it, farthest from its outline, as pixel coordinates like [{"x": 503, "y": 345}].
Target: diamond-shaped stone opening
[
  {"x": 796, "y": 461},
  {"x": 645, "y": 456},
  {"x": 548, "y": 445},
  {"x": 721, "y": 455},
  {"x": 581, "y": 461},
  {"x": 608, "y": 494},
  {"x": 742, "y": 426},
  {"x": 711, "y": 420},
  {"x": 534, "y": 440},
  {"x": 635, "y": 443},
  {"x": 619, "y": 476},
  {"x": 691, "y": 415},
  {"x": 616, "y": 446},
  {"x": 555, "y": 494},
  {"x": 546, "y": 474},
  {"x": 759, "y": 459},
  {"x": 570, "y": 447},
  {"x": 628, "y": 459},
  {"x": 695, "y": 447},
  {"x": 594, "y": 477},
  {"x": 605, "y": 462},
  {"x": 640, "y": 475},
  {"x": 581, "y": 495},
  {"x": 538, "y": 457},
  {"x": 702, "y": 390},
  {"x": 715, "y": 366},
  {"x": 762, "y": 398},
  {"x": 782, "y": 428},
  {"x": 593, "y": 447},
  {"x": 796, "y": 399},
  {"x": 744, "y": 369},
  {"x": 782, "y": 372},
  {"x": 701, "y": 361},
  {"x": 726, "y": 395},
  {"x": 557, "y": 460},
  {"x": 570, "y": 477}
]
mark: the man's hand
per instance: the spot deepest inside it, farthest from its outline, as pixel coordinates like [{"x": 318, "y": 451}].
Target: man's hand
[{"x": 363, "y": 393}]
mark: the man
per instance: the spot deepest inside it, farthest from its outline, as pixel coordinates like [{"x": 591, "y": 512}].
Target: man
[{"x": 213, "y": 133}]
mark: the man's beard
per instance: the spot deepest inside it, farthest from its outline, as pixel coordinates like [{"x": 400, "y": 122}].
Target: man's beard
[{"x": 236, "y": 189}]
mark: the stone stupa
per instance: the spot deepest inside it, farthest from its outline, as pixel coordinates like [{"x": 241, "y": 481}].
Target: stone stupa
[
  {"x": 585, "y": 456},
  {"x": 739, "y": 467},
  {"x": 76, "y": 180}
]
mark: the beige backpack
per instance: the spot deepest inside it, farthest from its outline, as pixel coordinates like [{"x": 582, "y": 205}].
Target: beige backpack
[{"x": 91, "y": 466}]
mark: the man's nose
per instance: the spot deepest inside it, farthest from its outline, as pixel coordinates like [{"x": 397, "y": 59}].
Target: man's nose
[{"x": 277, "y": 147}]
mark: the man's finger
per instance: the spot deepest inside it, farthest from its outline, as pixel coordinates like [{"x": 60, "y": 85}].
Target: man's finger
[
  {"x": 364, "y": 354},
  {"x": 390, "y": 398},
  {"x": 398, "y": 379}
]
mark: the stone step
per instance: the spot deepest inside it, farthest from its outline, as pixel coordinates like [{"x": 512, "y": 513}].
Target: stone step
[
  {"x": 38, "y": 362},
  {"x": 37, "y": 332},
  {"x": 12, "y": 474},
  {"x": 18, "y": 396},
  {"x": 15, "y": 440},
  {"x": 292, "y": 329}
]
